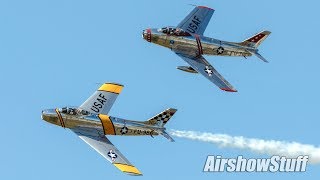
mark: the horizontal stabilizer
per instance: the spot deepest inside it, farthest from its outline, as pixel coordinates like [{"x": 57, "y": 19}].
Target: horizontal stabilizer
[
  {"x": 258, "y": 55},
  {"x": 166, "y": 135}
]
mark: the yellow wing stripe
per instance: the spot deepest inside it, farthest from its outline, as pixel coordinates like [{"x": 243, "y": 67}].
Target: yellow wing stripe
[
  {"x": 127, "y": 168},
  {"x": 111, "y": 87},
  {"x": 107, "y": 124}
]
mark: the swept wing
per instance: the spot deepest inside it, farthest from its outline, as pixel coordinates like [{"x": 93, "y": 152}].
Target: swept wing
[
  {"x": 102, "y": 100},
  {"x": 197, "y": 20},
  {"x": 96, "y": 139},
  {"x": 202, "y": 66}
]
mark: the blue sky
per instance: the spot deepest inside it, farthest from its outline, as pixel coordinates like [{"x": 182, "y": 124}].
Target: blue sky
[{"x": 53, "y": 54}]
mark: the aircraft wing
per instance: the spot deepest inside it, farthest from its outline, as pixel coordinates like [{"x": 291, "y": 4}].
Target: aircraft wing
[
  {"x": 202, "y": 66},
  {"x": 97, "y": 140},
  {"x": 102, "y": 100},
  {"x": 196, "y": 22}
]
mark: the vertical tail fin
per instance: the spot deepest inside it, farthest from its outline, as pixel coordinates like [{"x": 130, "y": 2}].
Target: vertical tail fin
[
  {"x": 255, "y": 40},
  {"x": 162, "y": 118}
]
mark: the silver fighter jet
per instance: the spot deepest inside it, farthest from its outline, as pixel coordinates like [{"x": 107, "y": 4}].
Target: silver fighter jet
[
  {"x": 91, "y": 123},
  {"x": 188, "y": 42}
]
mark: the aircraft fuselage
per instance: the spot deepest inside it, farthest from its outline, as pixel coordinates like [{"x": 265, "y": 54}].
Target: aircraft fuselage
[
  {"x": 195, "y": 44},
  {"x": 103, "y": 123}
]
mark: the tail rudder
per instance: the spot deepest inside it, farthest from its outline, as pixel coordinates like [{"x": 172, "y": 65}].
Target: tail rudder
[
  {"x": 162, "y": 118},
  {"x": 255, "y": 40}
]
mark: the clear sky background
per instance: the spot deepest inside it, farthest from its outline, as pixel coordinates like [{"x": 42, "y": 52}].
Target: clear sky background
[{"x": 53, "y": 54}]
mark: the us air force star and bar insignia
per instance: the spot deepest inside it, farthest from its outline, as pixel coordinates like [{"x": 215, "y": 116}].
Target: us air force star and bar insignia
[
  {"x": 220, "y": 50},
  {"x": 124, "y": 130},
  {"x": 112, "y": 155},
  {"x": 208, "y": 71}
]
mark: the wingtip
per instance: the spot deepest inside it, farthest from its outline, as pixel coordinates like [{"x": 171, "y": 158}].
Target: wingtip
[
  {"x": 114, "y": 83},
  {"x": 229, "y": 90},
  {"x": 128, "y": 169},
  {"x": 132, "y": 174},
  {"x": 206, "y": 7},
  {"x": 111, "y": 87}
]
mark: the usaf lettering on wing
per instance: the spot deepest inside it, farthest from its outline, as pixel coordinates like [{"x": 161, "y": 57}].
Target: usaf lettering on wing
[
  {"x": 194, "y": 25},
  {"x": 98, "y": 104}
]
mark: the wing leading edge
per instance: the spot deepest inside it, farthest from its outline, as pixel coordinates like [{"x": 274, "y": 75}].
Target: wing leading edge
[
  {"x": 202, "y": 66},
  {"x": 103, "y": 146},
  {"x": 197, "y": 20}
]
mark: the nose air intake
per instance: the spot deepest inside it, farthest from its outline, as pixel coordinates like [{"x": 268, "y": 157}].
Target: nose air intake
[{"x": 148, "y": 38}]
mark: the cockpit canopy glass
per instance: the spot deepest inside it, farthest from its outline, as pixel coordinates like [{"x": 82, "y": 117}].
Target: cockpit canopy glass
[
  {"x": 173, "y": 31},
  {"x": 73, "y": 111}
]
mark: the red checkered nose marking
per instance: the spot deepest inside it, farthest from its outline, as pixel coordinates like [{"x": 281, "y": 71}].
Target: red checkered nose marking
[{"x": 149, "y": 35}]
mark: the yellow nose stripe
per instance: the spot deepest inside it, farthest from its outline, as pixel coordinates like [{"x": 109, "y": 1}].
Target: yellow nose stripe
[
  {"x": 111, "y": 87},
  {"x": 127, "y": 168},
  {"x": 60, "y": 118}
]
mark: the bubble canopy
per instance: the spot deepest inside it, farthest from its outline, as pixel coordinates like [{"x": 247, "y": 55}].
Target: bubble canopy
[
  {"x": 173, "y": 31},
  {"x": 73, "y": 111}
]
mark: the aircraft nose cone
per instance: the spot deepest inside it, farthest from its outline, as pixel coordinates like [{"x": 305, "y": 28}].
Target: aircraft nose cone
[
  {"x": 146, "y": 34},
  {"x": 45, "y": 114}
]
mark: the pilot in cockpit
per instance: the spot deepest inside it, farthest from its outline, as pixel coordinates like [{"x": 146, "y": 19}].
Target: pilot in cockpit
[
  {"x": 73, "y": 111},
  {"x": 167, "y": 30},
  {"x": 174, "y": 31}
]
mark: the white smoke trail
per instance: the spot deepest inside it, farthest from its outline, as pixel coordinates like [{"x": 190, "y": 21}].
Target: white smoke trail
[{"x": 269, "y": 147}]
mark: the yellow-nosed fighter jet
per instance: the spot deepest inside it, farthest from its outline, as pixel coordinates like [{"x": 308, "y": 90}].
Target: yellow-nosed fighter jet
[{"x": 91, "y": 123}]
